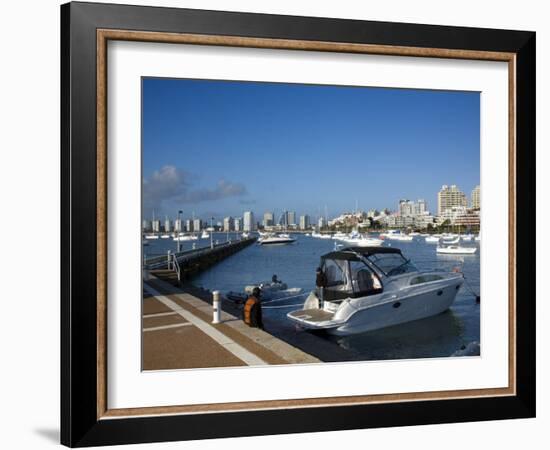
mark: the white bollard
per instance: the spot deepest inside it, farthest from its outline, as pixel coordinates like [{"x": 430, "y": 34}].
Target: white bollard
[{"x": 216, "y": 307}]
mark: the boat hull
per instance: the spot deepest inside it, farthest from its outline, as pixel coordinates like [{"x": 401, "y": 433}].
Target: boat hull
[
  {"x": 395, "y": 310},
  {"x": 277, "y": 241},
  {"x": 410, "y": 308}
]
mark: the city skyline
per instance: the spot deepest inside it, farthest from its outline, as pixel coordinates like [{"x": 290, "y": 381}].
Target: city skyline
[{"x": 216, "y": 148}]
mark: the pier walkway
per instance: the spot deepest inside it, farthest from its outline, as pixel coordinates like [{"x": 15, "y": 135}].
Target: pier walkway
[
  {"x": 178, "y": 334},
  {"x": 180, "y": 266}
]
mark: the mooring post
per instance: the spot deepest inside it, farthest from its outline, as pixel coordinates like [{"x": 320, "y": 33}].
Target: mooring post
[{"x": 216, "y": 307}]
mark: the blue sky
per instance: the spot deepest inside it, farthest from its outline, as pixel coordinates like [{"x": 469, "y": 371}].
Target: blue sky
[{"x": 219, "y": 148}]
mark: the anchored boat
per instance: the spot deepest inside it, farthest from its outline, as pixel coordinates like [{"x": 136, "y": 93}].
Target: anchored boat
[
  {"x": 367, "y": 288},
  {"x": 455, "y": 250},
  {"x": 276, "y": 239}
]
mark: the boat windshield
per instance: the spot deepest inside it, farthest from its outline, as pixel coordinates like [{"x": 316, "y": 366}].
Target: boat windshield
[{"x": 391, "y": 264}]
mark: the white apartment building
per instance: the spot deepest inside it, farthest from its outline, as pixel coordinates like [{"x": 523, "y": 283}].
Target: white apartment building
[{"x": 449, "y": 197}]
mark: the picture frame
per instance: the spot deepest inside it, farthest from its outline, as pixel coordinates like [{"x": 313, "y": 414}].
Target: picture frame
[{"x": 86, "y": 418}]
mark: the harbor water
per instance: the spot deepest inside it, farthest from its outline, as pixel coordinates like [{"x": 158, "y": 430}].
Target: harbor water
[{"x": 295, "y": 264}]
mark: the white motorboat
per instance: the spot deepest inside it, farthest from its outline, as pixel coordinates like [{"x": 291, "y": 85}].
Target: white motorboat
[
  {"x": 456, "y": 249},
  {"x": 433, "y": 239},
  {"x": 151, "y": 236},
  {"x": 245, "y": 235},
  {"x": 400, "y": 237},
  {"x": 321, "y": 235},
  {"x": 185, "y": 237},
  {"x": 356, "y": 239},
  {"x": 467, "y": 237},
  {"x": 449, "y": 241},
  {"x": 165, "y": 236},
  {"x": 364, "y": 289},
  {"x": 395, "y": 235},
  {"x": 270, "y": 290},
  {"x": 205, "y": 235},
  {"x": 276, "y": 239}
]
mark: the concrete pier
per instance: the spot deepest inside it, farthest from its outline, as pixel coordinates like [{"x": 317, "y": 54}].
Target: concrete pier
[
  {"x": 191, "y": 262},
  {"x": 178, "y": 333}
]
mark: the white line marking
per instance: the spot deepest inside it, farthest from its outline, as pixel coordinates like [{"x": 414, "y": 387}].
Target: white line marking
[
  {"x": 229, "y": 344},
  {"x": 166, "y": 327},
  {"x": 149, "y": 316}
]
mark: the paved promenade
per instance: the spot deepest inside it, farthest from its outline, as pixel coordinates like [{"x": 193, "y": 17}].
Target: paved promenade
[{"x": 178, "y": 334}]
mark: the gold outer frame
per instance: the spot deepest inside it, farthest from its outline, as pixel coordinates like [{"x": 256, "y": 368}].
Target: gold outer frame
[{"x": 104, "y": 35}]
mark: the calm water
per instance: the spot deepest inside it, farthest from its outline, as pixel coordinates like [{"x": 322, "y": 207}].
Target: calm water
[{"x": 295, "y": 264}]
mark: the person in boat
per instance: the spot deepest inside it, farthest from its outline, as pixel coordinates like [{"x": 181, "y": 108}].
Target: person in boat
[
  {"x": 321, "y": 282},
  {"x": 275, "y": 280},
  {"x": 320, "y": 278},
  {"x": 252, "y": 312}
]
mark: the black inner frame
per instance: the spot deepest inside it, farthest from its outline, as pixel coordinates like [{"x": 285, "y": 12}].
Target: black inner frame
[{"x": 79, "y": 423}]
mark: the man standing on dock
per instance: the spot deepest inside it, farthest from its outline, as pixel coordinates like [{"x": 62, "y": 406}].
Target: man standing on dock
[{"x": 252, "y": 313}]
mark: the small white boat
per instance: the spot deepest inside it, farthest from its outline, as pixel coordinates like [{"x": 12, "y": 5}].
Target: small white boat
[
  {"x": 364, "y": 242},
  {"x": 364, "y": 289},
  {"x": 449, "y": 241},
  {"x": 245, "y": 235},
  {"x": 432, "y": 239},
  {"x": 321, "y": 235},
  {"x": 456, "y": 250},
  {"x": 205, "y": 235},
  {"x": 151, "y": 236},
  {"x": 269, "y": 291},
  {"x": 165, "y": 236},
  {"x": 395, "y": 235},
  {"x": 361, "y": 241},
  {"x": 185, "y": 237},
  {"x": 467, "y": 237},
  {"x": 276, "y": 239}
]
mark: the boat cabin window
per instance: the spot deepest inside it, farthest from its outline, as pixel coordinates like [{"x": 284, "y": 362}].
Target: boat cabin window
[
  {"x": 365, "y": 281},
  {"x": 392, "y": 263},
  {"x": 425, "y": 279},
  {"x": 335, "y": 272},
  {"x": 346, "y": 279}
]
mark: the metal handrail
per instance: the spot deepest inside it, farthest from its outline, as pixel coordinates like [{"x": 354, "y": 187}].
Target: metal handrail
[{"x": 176, "y": 266}]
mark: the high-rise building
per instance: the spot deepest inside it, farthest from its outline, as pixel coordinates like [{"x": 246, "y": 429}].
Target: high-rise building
[
  {"x": 476, "y": 198},
  {"x": 304, "y": 222},
  {"x": 237, "y": 224},
  {"x": 197, "y": 224},
  {"x": 420, "y": 207},
  {"x": 292, "y": 218},
  {"x": 228, "y": 223},
  {"x": 283, "y": 220},
  {"x": 406, "y": 208},
  {"x": 188, "y": 225},
  {"x": 248, "y": 221},
  {"x": 145, "y": 225},
  {"x": 269, "y": 219},
  {"x": 449, "y": 197},
  {"x": 321, "y": 222},
  {"x": 178, "y": 225},
  {"x": 155, "y": 226},
  {"x": 167, "y": 225}
]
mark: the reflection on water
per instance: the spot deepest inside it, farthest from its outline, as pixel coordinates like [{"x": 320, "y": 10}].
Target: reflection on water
[{"x": 295, "y": 264}]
